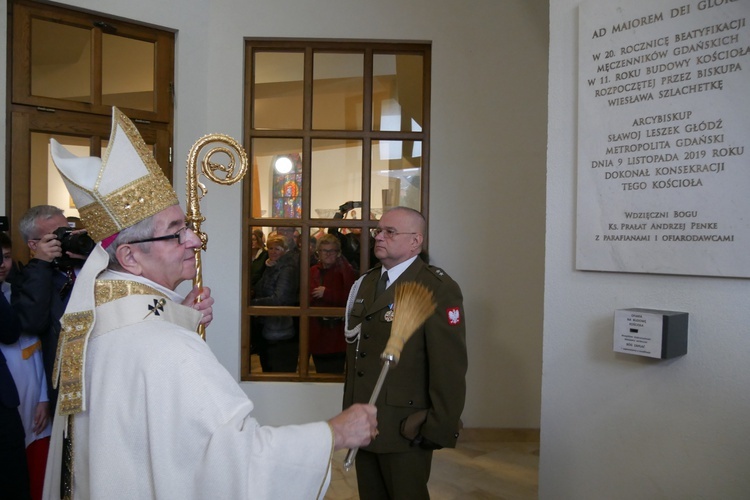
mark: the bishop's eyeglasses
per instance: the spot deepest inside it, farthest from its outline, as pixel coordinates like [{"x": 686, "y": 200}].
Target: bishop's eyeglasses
[{"x": 180, "y": 235}]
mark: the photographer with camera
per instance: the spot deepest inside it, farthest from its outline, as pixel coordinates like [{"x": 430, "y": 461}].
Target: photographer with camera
[
  {"x": 350, "y": 239},
  {"x": 41, "y": 292}
]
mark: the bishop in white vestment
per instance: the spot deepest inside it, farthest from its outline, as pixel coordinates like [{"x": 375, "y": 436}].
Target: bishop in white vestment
[{"x": 145, "y": 409}]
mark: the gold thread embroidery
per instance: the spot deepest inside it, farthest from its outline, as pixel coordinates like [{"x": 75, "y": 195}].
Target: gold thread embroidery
[
  {"x": 110, "y": 290},
  {"x": 71, "y": 351},
  {"x": 128, "y": 205},
  {"x": 74, "y": 334}
]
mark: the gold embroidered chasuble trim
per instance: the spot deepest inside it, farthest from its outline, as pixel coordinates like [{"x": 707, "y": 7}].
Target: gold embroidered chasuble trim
[
  {"x": 74, "y": 333},
  {"x": 110, "y": 290}
]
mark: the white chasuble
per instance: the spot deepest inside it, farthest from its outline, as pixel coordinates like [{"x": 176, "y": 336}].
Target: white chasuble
[{"x": 164, "y": 419}]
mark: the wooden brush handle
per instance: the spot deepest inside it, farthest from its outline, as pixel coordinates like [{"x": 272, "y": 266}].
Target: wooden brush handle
[{"x": 349, "y": 460}]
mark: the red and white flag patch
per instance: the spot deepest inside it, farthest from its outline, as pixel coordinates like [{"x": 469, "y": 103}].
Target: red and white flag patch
[{"x": 454, "y": 315}]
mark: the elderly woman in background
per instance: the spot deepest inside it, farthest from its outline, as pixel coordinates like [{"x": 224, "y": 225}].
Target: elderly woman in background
[
  {"x": 330, "y": 280},
  {"x": 279, "y": 348}
]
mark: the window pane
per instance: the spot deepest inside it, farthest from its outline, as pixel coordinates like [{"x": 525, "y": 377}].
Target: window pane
[
  {"x": 278, "y": 90},
  {"x": 327, "y": 344},
  {"x": 274, "y": 356},
  {"x": 397, "y": 93},
  {"x": 128, "y": 72},
  {"x": 336, "y": 177},
  {"x": 60, "y": 61},
  {"x": 396, "y": 175},
  {"x": 274, "y": 281},
  {"x": 285, "y": 239},
  {"x": 337, "y": 91},
  {"x": 279, "y": 172}
]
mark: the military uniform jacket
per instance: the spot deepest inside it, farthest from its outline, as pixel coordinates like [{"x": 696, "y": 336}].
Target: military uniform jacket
[{"x": 430, "y": 374}]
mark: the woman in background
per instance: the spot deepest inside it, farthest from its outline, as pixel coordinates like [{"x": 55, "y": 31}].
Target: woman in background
[
  {"x": 279, "y": 286},
  {"x": 330, "y": 280}
]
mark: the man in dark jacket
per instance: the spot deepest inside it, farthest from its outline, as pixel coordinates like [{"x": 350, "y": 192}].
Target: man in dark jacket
[{"x": 41, "y": 292}]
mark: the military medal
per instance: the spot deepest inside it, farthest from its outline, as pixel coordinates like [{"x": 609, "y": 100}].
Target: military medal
[{"x": 389, "y": 314}]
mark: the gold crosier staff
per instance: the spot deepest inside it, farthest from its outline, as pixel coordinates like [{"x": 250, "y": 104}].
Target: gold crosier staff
[{"x": 236, "y": 154}]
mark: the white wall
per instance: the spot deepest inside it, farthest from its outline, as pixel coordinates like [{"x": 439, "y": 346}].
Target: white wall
[
  {"x": 617, "y": 426},
  {"x": 489, "y": 73}
]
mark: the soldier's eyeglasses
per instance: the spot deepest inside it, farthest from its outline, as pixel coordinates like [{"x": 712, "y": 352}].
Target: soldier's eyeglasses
[{"x": 389, "y": 233}]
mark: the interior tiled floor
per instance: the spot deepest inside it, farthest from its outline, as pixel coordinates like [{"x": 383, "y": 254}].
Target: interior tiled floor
[{"x": 486, "y": 464}]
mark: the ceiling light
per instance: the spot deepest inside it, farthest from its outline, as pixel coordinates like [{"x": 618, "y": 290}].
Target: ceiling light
[{"x": 283, "y": 165}]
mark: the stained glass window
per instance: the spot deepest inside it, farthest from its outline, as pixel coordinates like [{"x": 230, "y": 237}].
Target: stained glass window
[{"x": 287, "y": 196}]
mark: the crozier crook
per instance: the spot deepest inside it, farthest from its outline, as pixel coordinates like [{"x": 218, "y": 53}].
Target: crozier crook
[{"x": 232, "y": 172}]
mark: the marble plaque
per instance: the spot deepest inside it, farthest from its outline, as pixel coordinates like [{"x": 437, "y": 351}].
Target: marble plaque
[{"x": 663, "y": 134}]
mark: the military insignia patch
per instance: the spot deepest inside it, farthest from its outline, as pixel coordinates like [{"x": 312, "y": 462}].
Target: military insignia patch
[{"x": 454, "y": 315}]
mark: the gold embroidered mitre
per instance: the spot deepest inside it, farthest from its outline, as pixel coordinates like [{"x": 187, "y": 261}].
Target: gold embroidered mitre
[{"x": 120, "y": 189}]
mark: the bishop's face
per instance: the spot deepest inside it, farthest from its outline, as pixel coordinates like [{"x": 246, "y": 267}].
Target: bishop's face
[{"x": 168, "y": 262}]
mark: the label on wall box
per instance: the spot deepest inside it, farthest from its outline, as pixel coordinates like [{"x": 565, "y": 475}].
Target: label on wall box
[
  {"x": 664, "y": 137},
  {"x": 651, "y": 333}
]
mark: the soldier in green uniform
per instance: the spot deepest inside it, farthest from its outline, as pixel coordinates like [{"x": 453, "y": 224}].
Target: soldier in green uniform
[{"x": 420, "y": 404}]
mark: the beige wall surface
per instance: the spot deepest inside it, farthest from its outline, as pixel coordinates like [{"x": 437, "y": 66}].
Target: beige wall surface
[
  {"x": 619, "y": 426},
  {"x": 489, "y": 74}
]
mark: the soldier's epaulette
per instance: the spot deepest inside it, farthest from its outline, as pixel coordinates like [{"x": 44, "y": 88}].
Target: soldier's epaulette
[{"x": 438, "y": 272}]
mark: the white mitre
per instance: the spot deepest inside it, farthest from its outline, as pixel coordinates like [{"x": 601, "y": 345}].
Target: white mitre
[
  {"x": 111, "y": 193},
  {"x": 116, "y": 191}
]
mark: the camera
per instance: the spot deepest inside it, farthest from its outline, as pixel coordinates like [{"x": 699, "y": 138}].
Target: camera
[
  {"x": 78, "y": 243},
  {"x": 349, "y": 205}
]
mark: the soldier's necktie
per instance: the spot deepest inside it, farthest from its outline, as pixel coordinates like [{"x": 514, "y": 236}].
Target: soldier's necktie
[{"x": 382, "y": 284}]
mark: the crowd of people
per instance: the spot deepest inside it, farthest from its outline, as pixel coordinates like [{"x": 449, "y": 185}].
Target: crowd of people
[{"x": 107, "y": 390}]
